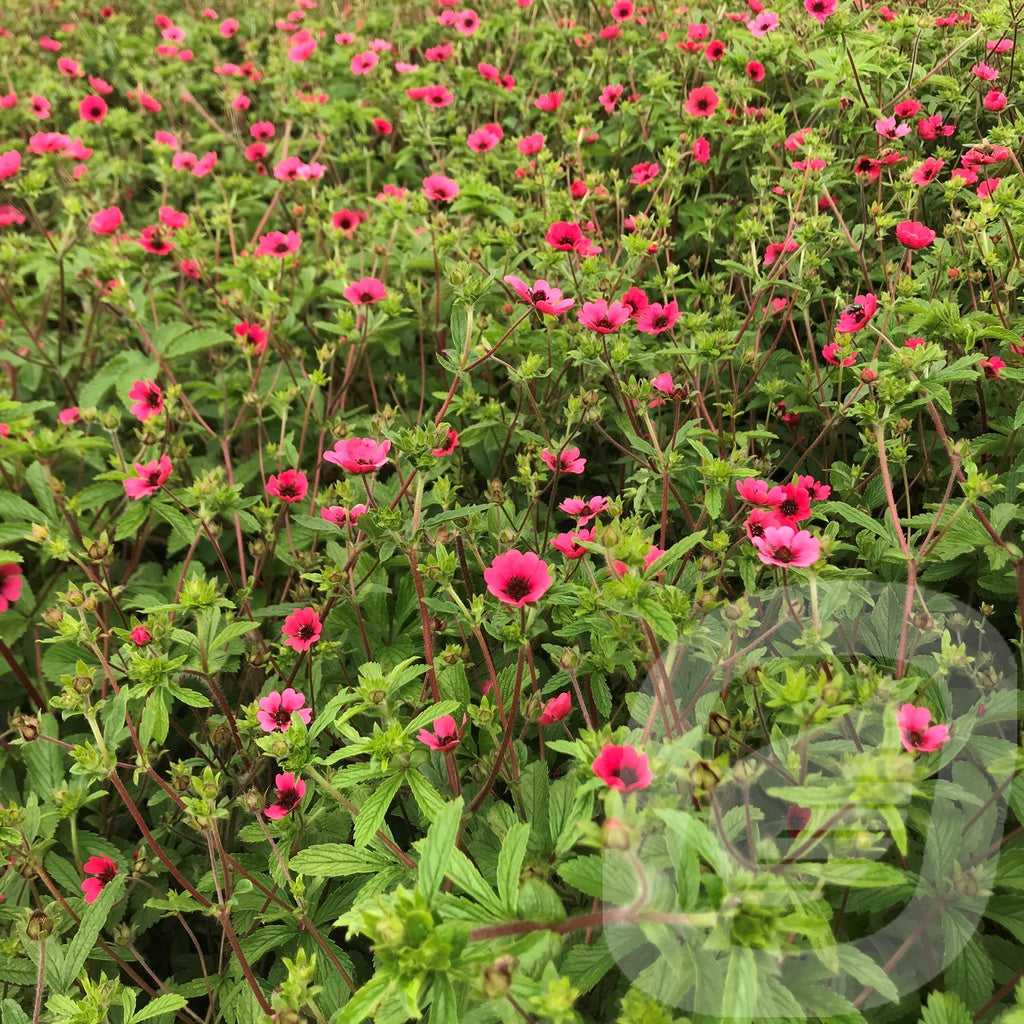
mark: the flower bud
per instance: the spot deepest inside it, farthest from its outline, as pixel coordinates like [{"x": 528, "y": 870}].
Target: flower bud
[
  {"x": 616, "y": 836},
  {"x": 39, "y": 925},
  {"x": 718, "y": 724},
  {"x": 27, "y": 726},
  {"x": 497, "y": 977}
]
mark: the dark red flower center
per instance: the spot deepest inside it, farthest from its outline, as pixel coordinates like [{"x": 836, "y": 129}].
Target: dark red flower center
[
  {"x": 287, "y": 798},
  {"x": 306, "y": 631},
  {"x": 282, "y": 248},
  {"x": 783, "y": 554},
  {"x": 153, "y": 478},
  {"x": 756, "y": 530},
  {"x": 518, "y": 587},
  {"x": 661, "y": 320},
  {"x": 152, "y": 399},
  {"x": 366, "y": 296},
  {"x": 915, "y": 737},
  {"x": 282, "y": 717},
  {"x": 789, "y": 508},
  {"x": 288, "y": 491},
  {"x": 627, "y": 775},
  {"x": 701, "y": 103},
  {"x": 538, "y": 295}
]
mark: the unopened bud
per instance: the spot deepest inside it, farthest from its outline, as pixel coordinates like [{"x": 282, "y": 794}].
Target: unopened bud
[
  {"x": 497, "y": 977},
  {"x": 616, "y": 836},
  {"x": 27, "y": 726},
  {"x": 39, "y": 925}
]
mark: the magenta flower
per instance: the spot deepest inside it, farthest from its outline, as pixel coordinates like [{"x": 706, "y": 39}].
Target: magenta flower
[
  {"x": 833, "y": 353},
  {"x": 252, "y": 337},
  {"x": 656, "y": 318},
  {"x": 556, "y": 709},
  {"x": 104, "y": 869},
  {"x": 93, "y": 108},
  {"x": 820, "y": 9},
  {"x": 107, "y": 220},
  {"x": 450, "y": 444},
  {"x": 601, "y": 317},
  {"x": 543, "y": 296},
  {"x": 359, "y": 454},
  {"x": 149, "y": 399},
  {"x": 341, "y": 516},
  {"x": 10, "y": 584},
  {"x": 518, "y": 578},
  {"x": 992, "y": 366},
  {"x": 302, "y": 628},
  {"x": 290, "y": 791},
  {"x": 857, "y": 314},
  {"x": 277, "y": 243},
  {"x": 141, "y": 636},
  {"x": 440, "y": 188},
  {"x": 701, "y": 102},
  {"x": 785, "y": 545},
  {"x": 757, "y": 492},
  {"x": 567, "y": 461},
  {"x": 791, "y": 503},
  {"x": 644, "y": 172},
  {"x": 446, "y": 734},
  {"x": 151, "y": 477},
  {"x": 290, "y": 485},
  {"x": 915, "y": 733},
  {"x": 570, "y": 543},
  {"x": 914, "y": 235},
  {"x": 622, "y": 767},
  {"x": 10, "y": 163},
  {"x": 366, "y": 291},
  {"x": 549, "y": 101},
  {"x": 276, "y": 710},
  {"x": 584, "y": 511}
]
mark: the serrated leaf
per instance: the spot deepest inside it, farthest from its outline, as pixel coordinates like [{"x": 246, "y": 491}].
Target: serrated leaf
[
  {"x": 337, "y": 860},
  {"x": 739, "y": 997},
  {"x": 585, "y": 965},
  {"x": 365, "y": 1000},
  {"x": 436, "y": 849},
  {"x": 854, "y": 872},
  {"x": 428, "y": 800},
  {"x": 372, "y": 813},
  {"x": 169, "y": 1002},
  {"x": 464, "y": 874},
  {"x": 444, "y": 1006},
  {"x": 89, "y": 927},
  {"x": 155, "y": 723},
  {"x": 510, "y": 863},
  {"x": 945, "y": 1008}
]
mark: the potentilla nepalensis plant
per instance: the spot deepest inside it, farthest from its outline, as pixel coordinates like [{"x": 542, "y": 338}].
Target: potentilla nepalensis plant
[{"x": 489, "y": 492}]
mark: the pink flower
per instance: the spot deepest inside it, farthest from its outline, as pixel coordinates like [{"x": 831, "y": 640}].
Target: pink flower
[
  {"x": 141, "y": 636},
  {"x": 451, "y": 443},
  {"x": 622, "y": 767},
  {"x": 601, "y": 317},
  {"x": 757, "y": 492},
  {"x": 290, "y": 486},
  {"x": 72, "y": 414},
  {"x": 151, "y": 478},
  {"x": 93, "y": 108},
  {"x": 656, "y": 318},
  {"x": 302, "y": 628},
  {"x": 567, "y": 461},
  {"x": 926, "y": 171},
  {"x": 701, "y": 102},
  {"x": 569, "y": 543},
  {"x": 531, "y": 144},
  {"x": 857, "y": 314},
  {"x": 546, "y": 298},
  {"x": 10, "y": 163},
  {"x": 785, "y": 545},
  {"x": 549, "y": 101},
  {"x": 290, "y": 791},
  {"x": 992, "y": 366},
  {"x": 914, "y": 235},
  {"x": 820, "y": 9},
  {"x": 763, "y": 23},
  {"x": 518, "y": 578},
  {"x": 359, "y": 454},
  {"x": 440, "y": 188},
  {"x": 277, "y": 709},
  {"x": 149, "y": 399},
  {"x": 584, "y": 511},
  {"x": 104, "y": 869},
  {"x": 252, "y": 336},
  {"x": 644, "y": 172},
  {"x": 610, "y": 95},
  {"x": 446, "y": 734},
  {"x": 985, "y": 72},
  {"x": 10, "y": 584},
  {"x": 364, "y": 63},
  {"x": 556, "y": 709},
  {"x": 915, "y": 733},
  {"x": 791, "y": 503},
  {"x": 107, "y": 220},
  {"x": 341, "y": 516},
  {"x": 366, "y": 291},
  {"x": 485, "y": 138},
  {"x": 277, "y": 243},
  {"x": 701, "y": 150},
  {"x": 172, "y": 218},
  {"x": 889, "y": 129},
  {"x": 833, "y": 353},
  {"x": 994, "y": 100}
]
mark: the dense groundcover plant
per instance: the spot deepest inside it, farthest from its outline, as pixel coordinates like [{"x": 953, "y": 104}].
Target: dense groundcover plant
[{"x": 511, "y": 512}]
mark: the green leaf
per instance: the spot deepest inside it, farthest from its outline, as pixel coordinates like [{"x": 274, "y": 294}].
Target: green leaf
[
  {"x": 44, "y": 760},
  {"x": 88, "y": 931},
  {"x": 855, "y": 872},
  {"x": 464, "y": 873},
  {"x": 372, "y": 813},
  {"x": 12, "y": 1013},
  {"x": 428, "y": 800},
  {"x": 444, "y": 1006},
  {"x": 131, "y": 520},
  {"x": 535, "y": 790},
  {"x": 866, "y": 971},
  {"x": 155, "y": 722},
  {"x": 510, "y": 863},
  {"x": 945, "y": 1008},
  {"x": 739, "y": 996},
  {"x": 337, "y": 860},
  {"x": 169, "y": 1002},
  {"x": 585, "y": 965},
  {"x": 436, "y": 849},
  {"x": 193, "y": 341},
  {"x": 122, "y": 370},
  {"x": 14, "y": 508},
  {"x": 366, "y": 1000}
]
